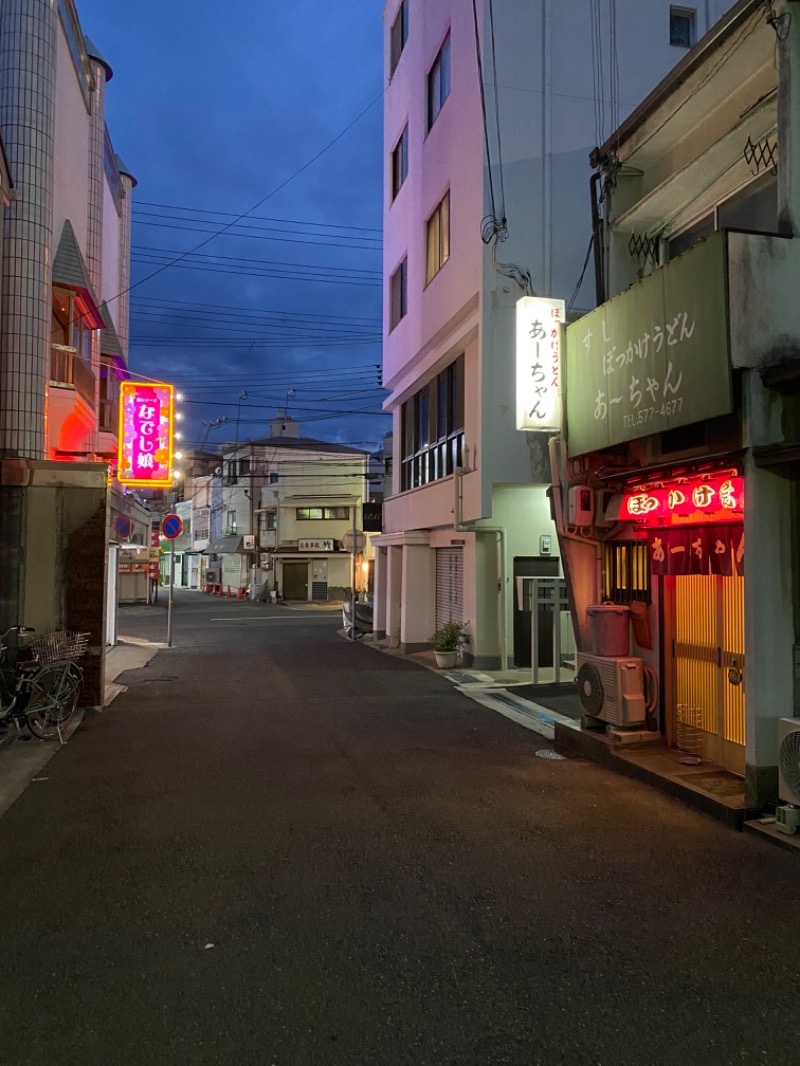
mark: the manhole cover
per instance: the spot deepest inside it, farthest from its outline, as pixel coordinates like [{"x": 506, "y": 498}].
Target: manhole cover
[{"x": 546, "y": 753}]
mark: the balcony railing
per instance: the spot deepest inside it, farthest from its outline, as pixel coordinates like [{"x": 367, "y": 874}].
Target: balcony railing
[
  {"x": 67, "y": 368},
  {"x": 229, "y": 531}
]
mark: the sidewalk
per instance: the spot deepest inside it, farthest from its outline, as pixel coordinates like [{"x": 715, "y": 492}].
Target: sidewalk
[{"x": 23, "y": 758}]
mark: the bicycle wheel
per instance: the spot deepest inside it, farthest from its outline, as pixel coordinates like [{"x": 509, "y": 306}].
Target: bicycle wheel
[{"x": 52, "y": 701}]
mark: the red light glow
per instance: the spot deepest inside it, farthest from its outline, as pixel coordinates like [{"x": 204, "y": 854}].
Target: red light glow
[{"x": 688, "y": 503}]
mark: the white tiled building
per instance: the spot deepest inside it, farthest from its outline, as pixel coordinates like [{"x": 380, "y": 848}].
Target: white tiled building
[{"x": 449, "y": 300}]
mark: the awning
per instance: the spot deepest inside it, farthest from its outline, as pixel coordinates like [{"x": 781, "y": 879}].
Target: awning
[{"x": 224, "y": 546}]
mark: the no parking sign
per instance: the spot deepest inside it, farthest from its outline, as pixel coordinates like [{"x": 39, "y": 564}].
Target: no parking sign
[{"x": 172, "y": 526}]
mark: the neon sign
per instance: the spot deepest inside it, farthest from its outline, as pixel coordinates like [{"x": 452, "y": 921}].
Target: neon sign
[
  {"x": 145, "y": 434},
  {"x": 719, "y": 499}
]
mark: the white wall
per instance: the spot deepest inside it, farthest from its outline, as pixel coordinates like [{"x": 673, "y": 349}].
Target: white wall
[{"x": 71, "y": 172}]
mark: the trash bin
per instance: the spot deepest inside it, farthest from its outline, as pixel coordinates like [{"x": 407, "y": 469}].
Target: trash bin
[{"x": 608, "y": 623}]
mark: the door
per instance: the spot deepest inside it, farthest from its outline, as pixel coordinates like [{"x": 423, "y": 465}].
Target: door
[
  {"x": 295, "y": 581},
  {"x": 449, "y": 586},
  {"x": 708, "y": 666},
  {"x": 532, "y": 566}
]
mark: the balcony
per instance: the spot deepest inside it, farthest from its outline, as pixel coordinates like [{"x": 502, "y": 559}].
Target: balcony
[
  {"x": 229, "y": 531},
  {"x": 67, "y": 368}
]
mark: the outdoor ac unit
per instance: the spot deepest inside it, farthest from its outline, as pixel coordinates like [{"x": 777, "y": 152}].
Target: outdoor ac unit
[
  {"x": 789, "y": 760},
  {"x": 249, "y": 542},
  {"x": 611, "y": 689}
]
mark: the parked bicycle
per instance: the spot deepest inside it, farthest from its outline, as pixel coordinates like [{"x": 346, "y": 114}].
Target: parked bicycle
[{"x": 42, "y": 690}]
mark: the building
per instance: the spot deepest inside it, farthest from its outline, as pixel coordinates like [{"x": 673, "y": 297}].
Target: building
[
  {"x": 681, "y": 454},
  {"x": 285, "y": 506},
  {"x": 63, "y": 323},
  {"x": 465, "y": 236}
]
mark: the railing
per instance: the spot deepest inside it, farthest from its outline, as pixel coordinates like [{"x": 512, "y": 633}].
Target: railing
[
  {"x": 546, "y": 599},
  {"x": 229, "y": 531},
  {"x": 67, "y": 368},
  {"x": 433, "y": 462}
]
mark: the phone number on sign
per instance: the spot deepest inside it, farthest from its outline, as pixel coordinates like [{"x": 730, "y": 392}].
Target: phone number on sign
[{"x": 647, "y": 414}]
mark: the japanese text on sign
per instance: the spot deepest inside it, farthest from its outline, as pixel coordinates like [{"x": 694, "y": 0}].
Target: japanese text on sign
[
  {"x": 653, "y": 358},
  {"x": 145, "y": 434},
  {"x": 539, "y": 337},
  {"x": 688, "y": 502}
]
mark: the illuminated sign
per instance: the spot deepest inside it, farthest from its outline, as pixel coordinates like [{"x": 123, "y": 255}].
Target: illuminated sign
[
  {"x": 540, "y": 325},
  {"x": 688, "y": 502},
  {"x": 145, "y": 434}
]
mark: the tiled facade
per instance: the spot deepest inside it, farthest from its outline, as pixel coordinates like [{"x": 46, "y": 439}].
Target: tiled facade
[{"x": 27, "y": 116}]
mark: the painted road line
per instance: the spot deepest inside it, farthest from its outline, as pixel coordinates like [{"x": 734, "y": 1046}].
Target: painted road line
[
  {"x": 311, "y": 616},
  {"x": 531, "y": 715}
]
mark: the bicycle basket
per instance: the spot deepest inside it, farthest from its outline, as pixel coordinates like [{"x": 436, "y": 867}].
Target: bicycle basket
[{"x": 60, "y": 647}]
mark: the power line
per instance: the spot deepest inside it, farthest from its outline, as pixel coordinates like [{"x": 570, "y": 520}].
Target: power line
[
  {"x": 223, "y": 308},
  {"x": 262, "y": 218},
  {"x": 233, "y": 230}
]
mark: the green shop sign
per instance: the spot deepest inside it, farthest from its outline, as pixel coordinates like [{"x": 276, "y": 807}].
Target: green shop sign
[{"x": 655, "y": 357}]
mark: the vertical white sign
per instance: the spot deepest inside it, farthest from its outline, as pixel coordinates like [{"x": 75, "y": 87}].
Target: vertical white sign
[{"x": 540, "y": 331}]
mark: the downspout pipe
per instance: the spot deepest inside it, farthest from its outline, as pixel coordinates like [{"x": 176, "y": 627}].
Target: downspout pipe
[
  {"x": 597, "y": 234},
  {"x": 502, "y": 541}
]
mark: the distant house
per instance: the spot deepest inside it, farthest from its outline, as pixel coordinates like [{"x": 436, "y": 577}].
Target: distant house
[{"x": 280, "y": 515}]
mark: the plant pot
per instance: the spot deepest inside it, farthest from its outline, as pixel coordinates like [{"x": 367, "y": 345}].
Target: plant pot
[{"x": 446, "y": 660}]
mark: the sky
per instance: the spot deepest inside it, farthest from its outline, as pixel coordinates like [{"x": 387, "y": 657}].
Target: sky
[{"x": 214, "y": 109}]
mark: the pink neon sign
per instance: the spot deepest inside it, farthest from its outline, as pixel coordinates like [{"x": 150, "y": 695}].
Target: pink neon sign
[{"x": 145, "y": 434}]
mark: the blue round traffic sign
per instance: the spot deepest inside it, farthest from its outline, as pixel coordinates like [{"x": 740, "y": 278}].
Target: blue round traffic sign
[
  {"x": 123, "y": 526},
  {"x": 172, "y": 526}
]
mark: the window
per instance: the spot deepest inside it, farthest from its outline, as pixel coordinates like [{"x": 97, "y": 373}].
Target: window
[
  {"x": 231, "y": 526},
  {"x": 437, "y": 239},
  {"x": 398, "y": 294},
  {"x": 244, "y": 467},
  {"x": 273, "y": 478},
  {"x": 270, "y": 520},
  {"x": 109, "y": 395},
  {"x": 682, "y": 26},
  {"x": 439, "y": 82},
  {"x": 433, "y": 428},
  {"x": 753, "y": 208},
  {"x": 71, "y": 344},
  {"x": 626, "y": 571},
  {"x": 399, "y": 35},
  {"x": 317, "y": 514},
  {"x": 400, "y": 163}
]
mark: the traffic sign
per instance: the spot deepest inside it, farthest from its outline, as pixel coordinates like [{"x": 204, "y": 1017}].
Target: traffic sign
[
  {"x": 172, "y": 526},
  {"x": 123, "y": 526}
]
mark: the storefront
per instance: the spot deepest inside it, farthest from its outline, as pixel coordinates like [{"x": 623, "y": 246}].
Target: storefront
[{"x": 692, "y": 527}]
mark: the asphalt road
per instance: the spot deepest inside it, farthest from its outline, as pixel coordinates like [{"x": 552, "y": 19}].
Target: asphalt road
[{"x": 280, "y": 848}]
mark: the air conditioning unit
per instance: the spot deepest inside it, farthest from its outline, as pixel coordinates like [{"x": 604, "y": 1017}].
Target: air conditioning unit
[
  {"x": 612, "y": 689},
  {"x": 789, "y": 760},
  {"x": 249, "y": 542},
  {"x": 581, "y": 505}
]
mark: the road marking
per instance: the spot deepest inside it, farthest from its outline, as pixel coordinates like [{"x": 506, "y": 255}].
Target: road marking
[{"x": 272, "y": 618}]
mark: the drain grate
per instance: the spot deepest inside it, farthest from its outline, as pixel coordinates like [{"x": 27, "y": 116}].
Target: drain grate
[{"x": 546, "y": 753}]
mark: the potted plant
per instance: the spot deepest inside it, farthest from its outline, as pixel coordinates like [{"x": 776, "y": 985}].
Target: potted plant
[{"x": 445, "y": 643}]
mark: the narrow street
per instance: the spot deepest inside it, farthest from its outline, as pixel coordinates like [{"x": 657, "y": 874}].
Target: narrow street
[{"x": 280, "y": 849}]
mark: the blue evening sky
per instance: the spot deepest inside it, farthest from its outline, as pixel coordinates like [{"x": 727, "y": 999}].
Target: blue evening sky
[{"x": 213, "y": 107}]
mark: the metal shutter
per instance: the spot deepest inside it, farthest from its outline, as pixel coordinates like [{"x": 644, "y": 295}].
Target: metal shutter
[{"x": 449, "y": 585}]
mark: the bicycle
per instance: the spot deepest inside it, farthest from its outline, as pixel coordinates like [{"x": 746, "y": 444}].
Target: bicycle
[{"x": 42, "y": 692}]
